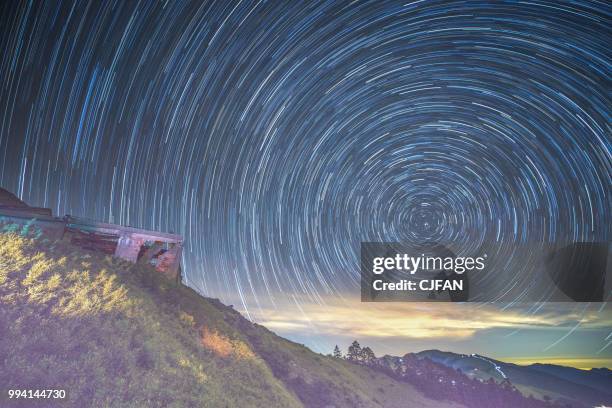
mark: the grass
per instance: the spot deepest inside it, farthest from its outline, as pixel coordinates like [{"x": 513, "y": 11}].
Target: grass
[
  {"x": 110, "y": 334},
  {"x": 116, "y": 334}
]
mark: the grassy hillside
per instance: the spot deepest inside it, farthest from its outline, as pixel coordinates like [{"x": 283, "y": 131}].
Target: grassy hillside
[{"x": 114, "y": 334}]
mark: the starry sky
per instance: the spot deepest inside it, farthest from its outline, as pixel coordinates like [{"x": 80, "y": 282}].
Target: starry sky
[{"x": 277, "y": 136}]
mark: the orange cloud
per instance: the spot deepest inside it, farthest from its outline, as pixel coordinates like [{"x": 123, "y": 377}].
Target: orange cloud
[
  {"x": 411, "y": 320},
  {"x": 581, "y": 363}
]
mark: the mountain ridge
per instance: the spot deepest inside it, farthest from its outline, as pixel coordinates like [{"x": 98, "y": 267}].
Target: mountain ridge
[{"x": 579, "y": 387}]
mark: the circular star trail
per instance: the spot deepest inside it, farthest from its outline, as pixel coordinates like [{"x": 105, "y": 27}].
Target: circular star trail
[{"x": 277, "y": 136}]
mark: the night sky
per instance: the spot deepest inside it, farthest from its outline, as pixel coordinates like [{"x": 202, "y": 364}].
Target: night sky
[{"x": 276, "y": 136}]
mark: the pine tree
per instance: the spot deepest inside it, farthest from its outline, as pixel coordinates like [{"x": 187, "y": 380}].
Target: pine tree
[
  {"x": 367, "y": 355},
  {"x": 354, "y": 352},
  {"x": 337, "y": 352}
]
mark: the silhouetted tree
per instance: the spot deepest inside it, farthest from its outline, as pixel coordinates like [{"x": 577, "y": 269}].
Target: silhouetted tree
[
  {"x": 354, "y": 352},
  {"x": 337, "y": 352},
  {"x": 367, "y": 355}
]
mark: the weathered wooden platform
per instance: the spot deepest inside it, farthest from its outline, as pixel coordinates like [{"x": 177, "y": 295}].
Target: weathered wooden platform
[{"x": 161, "y": 249}]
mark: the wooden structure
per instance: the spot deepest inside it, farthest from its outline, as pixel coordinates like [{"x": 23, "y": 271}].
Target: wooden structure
[{"x": 162, "y": 250}]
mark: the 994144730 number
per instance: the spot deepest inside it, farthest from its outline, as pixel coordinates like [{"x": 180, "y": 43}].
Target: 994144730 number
[{"x": 36, "y": 394}]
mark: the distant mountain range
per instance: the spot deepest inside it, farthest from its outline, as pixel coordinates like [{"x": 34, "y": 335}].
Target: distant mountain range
[{"x": 566, "y": 385}]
